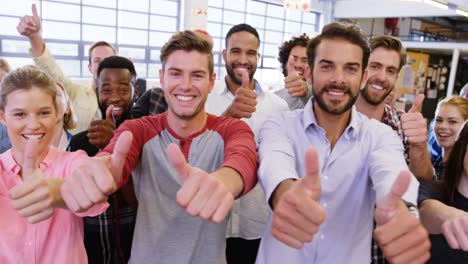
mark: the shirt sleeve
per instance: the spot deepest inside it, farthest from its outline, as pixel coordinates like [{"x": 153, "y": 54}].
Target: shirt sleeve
[
  {"x": 141, "y": 107},
  {"x": 427, "y": 190},
  {"x": 276, "y": 153},
  {"x": 387, "y": 160},
  {"x": 138, "y": 129},
  {"x": 240, "y": 152}
]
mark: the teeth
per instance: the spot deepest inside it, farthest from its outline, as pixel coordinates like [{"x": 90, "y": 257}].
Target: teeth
[
  {"x": 185, "y": 98},
  {"x": 377, "y": 87},
  {"x": 35, "y": 136},
  {"x": 117, "y": 109},
  {"x": 335, "y": 93},
  {"x": 241, "y": 69}
]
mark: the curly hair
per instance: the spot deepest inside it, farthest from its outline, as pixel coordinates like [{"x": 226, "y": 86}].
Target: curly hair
[{"x": 286, "y": 48}]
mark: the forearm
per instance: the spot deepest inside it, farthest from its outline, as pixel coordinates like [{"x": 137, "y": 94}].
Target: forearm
[
  {"x": 54, "y": 187},
  {"x": 279, "y": 191},
  {"x": 37, "y": 46},
  {"x": 420, "y": 162},
  {"x": 434, "y": 213},
  {"x": 231, "y": 179}
]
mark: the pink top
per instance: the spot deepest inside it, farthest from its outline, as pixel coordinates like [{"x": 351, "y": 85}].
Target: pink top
[{"x": 58, "y": 239}]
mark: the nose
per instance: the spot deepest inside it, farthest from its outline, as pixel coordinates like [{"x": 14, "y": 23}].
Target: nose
[
  {"x": 187, "y": 82},
  {"x": 33, "y": 123},
  {"x": 338, "y": 76}
]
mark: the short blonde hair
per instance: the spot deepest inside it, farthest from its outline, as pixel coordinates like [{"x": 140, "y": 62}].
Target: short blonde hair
[
  {"x": 25, "y": 78},
  {"x": 69, "y": 119},
  {"x": 4, "y": 65}
]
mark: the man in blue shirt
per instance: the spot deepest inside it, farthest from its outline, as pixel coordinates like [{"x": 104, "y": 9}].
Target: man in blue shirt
[{"x": 323, "y": 204}]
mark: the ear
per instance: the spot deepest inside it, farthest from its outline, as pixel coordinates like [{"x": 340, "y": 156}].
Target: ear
[
  {"x": 2, "y": 118},
  {"x": 161, "y": 77},
  {"x": 136, "y": 93},
  {"x": 224, "y": 55},
  {"x": 364, "y": 79},
  {"x": 89, "y": 67},
  {"x": 308, "y": 74},
  {"x": 212, "y": 81}
]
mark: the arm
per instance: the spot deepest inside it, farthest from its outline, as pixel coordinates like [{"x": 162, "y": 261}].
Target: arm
[{"x": 434, "y": 214}]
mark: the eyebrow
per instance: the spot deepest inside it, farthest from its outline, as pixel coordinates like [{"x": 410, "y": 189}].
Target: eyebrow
[{"x": 22, "y": 109}]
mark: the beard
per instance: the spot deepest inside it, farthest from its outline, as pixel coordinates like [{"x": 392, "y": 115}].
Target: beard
[
  {"x": 334, "y": 107},
  {"x": 234, "y": 78},
  {"x": 375, "y": 100}
]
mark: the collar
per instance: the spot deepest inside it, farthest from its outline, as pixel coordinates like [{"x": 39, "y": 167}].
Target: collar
[
  {"x": 11, "y": 166},
  {"x": 351, "y": 131}
]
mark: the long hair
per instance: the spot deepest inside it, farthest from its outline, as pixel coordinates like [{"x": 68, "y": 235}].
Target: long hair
[{"x": 454, "y": 167}]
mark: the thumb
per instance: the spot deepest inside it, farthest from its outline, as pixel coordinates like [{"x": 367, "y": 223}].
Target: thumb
[
  {"x": 34, "y": 11},
  {"x": 245, "y": 79},
  {"x": 30, "y": 162},
  {"x": 109, "y": 116},
  {"x": 177, "y": 160},
  {"x": 416, "y": 107},
  {"x": 121, "y": 148},
  {"x": 311, "y": 180},
  {"x": 388, "y": 205}
]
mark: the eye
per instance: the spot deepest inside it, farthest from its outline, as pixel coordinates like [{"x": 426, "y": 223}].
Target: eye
[
  {"x": 45, "y": 113},
  {"x": 19, "y": 114},
  {"x": 105, "y": 91},
  {"x": 352, "y": 69},
  {"x": 124, "y": 91}
]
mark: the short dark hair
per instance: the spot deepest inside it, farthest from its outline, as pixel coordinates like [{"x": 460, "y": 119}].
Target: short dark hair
[
  {"x": 99, "y": 44},
  {"x": 389, "y": 43},
  {"x": 188, "y": 41},
  {"x": 242, "y": 27},
  {"x": 286, "y": 48},
  {"x": 336, "y": 30},
  {"x": 117, "y": 62}
]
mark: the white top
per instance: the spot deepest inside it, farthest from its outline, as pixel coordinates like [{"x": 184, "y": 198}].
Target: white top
[{"x": 249, "y": 214}]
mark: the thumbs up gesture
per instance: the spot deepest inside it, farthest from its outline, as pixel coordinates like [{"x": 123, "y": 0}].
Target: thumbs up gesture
[
  {"x": 100, "y": 132},
  {"x": 297, "y": 214},
  {"x": 400, "y": 234},
  {"x": 414, "y": 124},
  {"x": 96, "y": 178},
  {"x": 36, "y": 197},
  {"x": 245, "y": 101},
  {"x": 202, "y": 194},
  {"x": 30, "y": 26}
]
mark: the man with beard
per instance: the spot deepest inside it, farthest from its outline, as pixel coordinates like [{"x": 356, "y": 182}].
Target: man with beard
[
  {"x": 293, "y": 59},
  {"x": 385, "y": 61},
  {"x": 240, "y": 96},
  {"x": 328, "y": 193},
  {"x": 108, "y": 237}
]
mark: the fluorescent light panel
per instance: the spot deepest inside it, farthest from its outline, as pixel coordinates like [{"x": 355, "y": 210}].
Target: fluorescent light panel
[
  {"x": 461, "y": 12},
  {"x": 436, "y": 4}
]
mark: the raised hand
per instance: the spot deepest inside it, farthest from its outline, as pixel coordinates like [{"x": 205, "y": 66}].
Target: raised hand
[
  {"x": 100, "y": 132},
  {"x": 297, "y": 214},
  {"x": 96, "y": 178},
  {"x": 414, "y": 124},
  {"x": 202, "y": 194},
  {"x": 400, "y": 234},
  {"x": 245, "y": 101},
  {"x": 36, "y": 197},
  {"x": 295, "y": 81},
  {"x": 30, "y": 26}
]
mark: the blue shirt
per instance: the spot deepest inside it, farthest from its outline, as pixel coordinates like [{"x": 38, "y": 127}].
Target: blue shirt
[{"x": 359, "y": 170}]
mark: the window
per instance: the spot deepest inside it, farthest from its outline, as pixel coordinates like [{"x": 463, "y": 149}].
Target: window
[
  {"x": 273, "y": 23},
  {"x": 137, "y": 28}
]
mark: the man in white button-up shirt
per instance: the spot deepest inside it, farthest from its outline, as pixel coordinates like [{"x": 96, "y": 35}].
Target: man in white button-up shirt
[
  {"x": 239, "y": 95},
  {"x": 325, "y": 168}
]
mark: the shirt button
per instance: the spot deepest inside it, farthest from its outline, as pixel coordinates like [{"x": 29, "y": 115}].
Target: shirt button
[
  {"x": 322, "y": 237},
  {"x": 325, "y": 205},
  {"x": 325, "y": 177}
]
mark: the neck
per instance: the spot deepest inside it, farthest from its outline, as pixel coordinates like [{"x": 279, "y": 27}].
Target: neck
[
  {"x": 232, "y": 86},
  {"x": 371, "y": 111},
  {"x": 463, "y": 185},
  {"x": 334, "y": 125},
  {"x": 186, "y": 127},
  {"x": 446, "y": 154}
]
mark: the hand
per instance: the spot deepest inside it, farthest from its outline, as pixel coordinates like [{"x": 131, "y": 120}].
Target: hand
[
  {"x": 96, "y": 178},
  {"x": 35, "y": 197},
  {"x": 201, "y": 194},
  {"x": 455, "y": 231},
  {"x": 245, "y": 101},
  {"x": 100, "y": 132},
  {"x": 414, "y": 124},
  {"x": 297, "y": 214},
  {"x": 30, "y": 26},
  {"x": 400, "y": 234},
  {"x": 295, "y": 84}
]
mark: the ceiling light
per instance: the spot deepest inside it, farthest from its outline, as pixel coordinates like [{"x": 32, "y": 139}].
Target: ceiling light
[
  {"x": 436, "y": 4},
  {"x": 461, "y": 12}
]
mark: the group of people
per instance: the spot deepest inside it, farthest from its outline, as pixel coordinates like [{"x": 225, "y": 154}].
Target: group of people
[{"x": 202, "y": 170}]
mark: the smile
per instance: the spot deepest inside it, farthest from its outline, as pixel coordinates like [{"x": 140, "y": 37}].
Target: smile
[
  {"x": 377, "y": 87},
  {"x": 185, "y": 98},
  {"x": 33, "y": 136}
]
